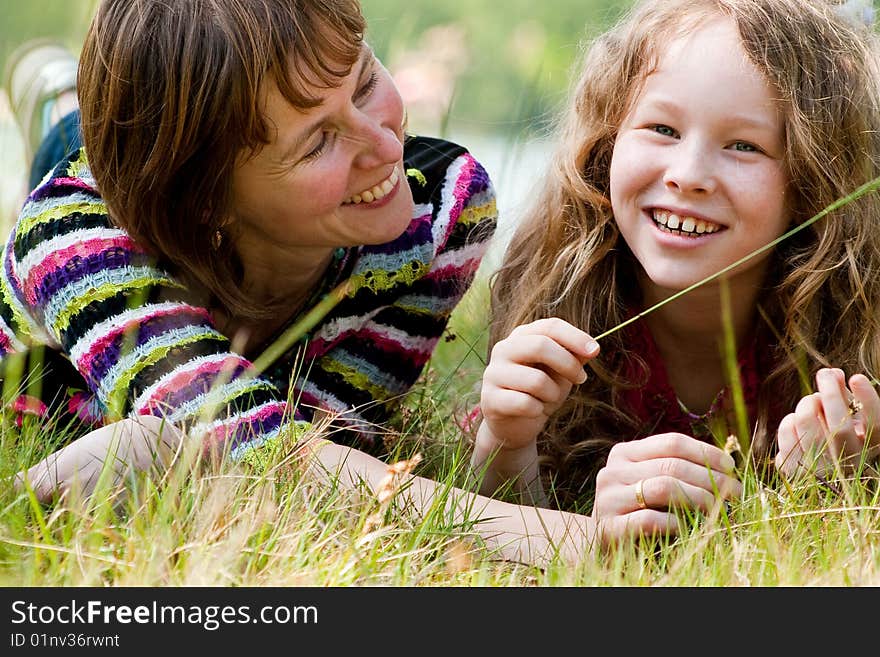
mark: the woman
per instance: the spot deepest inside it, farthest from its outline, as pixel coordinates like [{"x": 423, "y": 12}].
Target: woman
[{"x": 251, "y": 159}]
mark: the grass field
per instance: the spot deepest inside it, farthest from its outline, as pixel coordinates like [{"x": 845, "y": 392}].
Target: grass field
[{"x": 228, "y": 526}]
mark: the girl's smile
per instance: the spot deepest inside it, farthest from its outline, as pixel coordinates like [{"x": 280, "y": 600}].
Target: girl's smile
[
  {"x": 697, "y": 172},
  {"x": 683, "y": 223}
]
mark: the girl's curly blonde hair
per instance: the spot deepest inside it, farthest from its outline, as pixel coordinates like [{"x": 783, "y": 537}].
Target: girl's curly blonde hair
[{"x": 820, "y": 302}]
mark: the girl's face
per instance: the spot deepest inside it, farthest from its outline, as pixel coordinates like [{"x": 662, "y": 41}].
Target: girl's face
[
  {"x": 697, "y": 173},
  {"x": 332, "y": 175}
]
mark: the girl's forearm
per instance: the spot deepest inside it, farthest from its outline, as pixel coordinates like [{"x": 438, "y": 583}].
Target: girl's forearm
[{"x": 496, "y": 466}]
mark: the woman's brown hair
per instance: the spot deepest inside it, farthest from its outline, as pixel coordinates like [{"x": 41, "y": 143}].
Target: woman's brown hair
[{"x": 170, "y": 95}]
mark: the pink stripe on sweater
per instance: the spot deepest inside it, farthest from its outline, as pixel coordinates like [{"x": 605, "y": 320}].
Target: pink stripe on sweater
[
  {"x": 5, "y": 344},
  {"x": 380, "y": 340},
  {"x": 59, "y": 259},
  {"x": 180, "y": 380},
  {"x": 71, "y": 182},
  {"x": 84, "y": 364},
  {"x": 220, "y": 434},
  {"x": 460, "y": 194},
  {"x": 78, "y": 183}
]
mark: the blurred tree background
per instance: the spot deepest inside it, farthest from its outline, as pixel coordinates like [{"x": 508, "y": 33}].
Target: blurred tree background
[
  {"x": 484, "y": 65},
  {"x": 464, "y": 65},
  {"x": 486, "y": 73}
]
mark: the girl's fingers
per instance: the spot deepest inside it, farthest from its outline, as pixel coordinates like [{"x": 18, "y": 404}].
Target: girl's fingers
[
  {"x": 789, "y": 450},
  {"x": 539, "y": 350},
  {"x": 672, "y": 445},
  {"x": 835, "y": 407},
  {"x": 838, "y": 410},
  {"x": 567, "y": 335},
  {"x": 868, "y": 415},
  {"x": 812, "y": 431},
  {"x": 540, "y": 384},
  {"x": 502, "y": 403}
]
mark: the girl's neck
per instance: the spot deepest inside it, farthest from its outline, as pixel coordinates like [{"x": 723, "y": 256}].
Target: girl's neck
[{"x": 689, "y": 334}]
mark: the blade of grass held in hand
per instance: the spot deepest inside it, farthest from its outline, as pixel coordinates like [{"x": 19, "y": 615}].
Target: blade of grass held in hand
[
  {"x": 290, "y": 336},
  {"x": 868, "y": 187}
]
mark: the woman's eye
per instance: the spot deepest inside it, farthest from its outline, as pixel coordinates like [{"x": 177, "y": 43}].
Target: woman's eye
[
  {"x": 317, "y": 150},
  {"x": 367, "y": 88},
  {"x": 664, "y": 130}
]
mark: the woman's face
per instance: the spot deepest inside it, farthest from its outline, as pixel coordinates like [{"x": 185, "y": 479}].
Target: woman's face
[{"x": 332, "y": 175}]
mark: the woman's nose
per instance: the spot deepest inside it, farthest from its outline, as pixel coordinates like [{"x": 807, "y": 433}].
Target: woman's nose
[
  {"x": 379, "y": 143},
  {"x": 690, "y": 169}
]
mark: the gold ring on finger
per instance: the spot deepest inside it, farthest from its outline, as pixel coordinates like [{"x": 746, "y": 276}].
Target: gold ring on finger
[{"x": 640, "y": 494}]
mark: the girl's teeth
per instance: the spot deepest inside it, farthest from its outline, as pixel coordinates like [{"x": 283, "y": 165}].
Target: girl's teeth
[
  {"x": 687, "y": 225},
  {"x": 376, "y": 192}
]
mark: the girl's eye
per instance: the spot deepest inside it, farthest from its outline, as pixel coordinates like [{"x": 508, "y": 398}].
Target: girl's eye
[
  {"x": 745, "y": 147},
  {"x": 664, "y": 130},
  {"x": 367, "y": 88}
]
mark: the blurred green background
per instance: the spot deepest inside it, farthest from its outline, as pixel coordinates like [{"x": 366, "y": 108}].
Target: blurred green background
[
  {"x": 486, "y": 73},
  {"x": 499, "y": 64}
]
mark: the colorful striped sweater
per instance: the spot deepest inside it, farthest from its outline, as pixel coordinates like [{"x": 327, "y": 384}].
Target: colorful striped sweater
[{"x": 74, "y": 282}]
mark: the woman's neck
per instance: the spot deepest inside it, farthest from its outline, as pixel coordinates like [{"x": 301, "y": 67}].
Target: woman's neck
[
  {"x": 284, "y": 280},
  {"x": 278, "y": 274}
]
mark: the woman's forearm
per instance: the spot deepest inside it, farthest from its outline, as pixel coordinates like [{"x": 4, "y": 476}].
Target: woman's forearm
[{"x": 518, "y": 532}]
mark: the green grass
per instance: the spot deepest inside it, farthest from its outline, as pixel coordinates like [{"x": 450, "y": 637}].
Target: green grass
[{"x": 227, "y": 526}]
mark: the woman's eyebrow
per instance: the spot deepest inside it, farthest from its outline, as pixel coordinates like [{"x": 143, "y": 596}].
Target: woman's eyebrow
[{"x": 302, "y": 137}]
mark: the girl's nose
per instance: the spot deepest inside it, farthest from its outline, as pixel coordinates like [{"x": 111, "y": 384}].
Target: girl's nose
[{"x": 690, "y": 170}]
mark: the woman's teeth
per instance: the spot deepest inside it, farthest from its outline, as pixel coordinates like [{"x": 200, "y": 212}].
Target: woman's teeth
[
  {"x": 683, "y": 225},
  {"x": 375, "y": 192}
]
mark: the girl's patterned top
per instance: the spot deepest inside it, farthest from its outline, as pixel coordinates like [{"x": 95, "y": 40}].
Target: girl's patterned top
[
  {"x": 655, "y": 405},
  {"x": 74, "y": 282}
]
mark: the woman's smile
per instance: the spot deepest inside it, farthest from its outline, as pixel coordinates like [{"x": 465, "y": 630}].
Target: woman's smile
[{"x": 382, "y": 191}]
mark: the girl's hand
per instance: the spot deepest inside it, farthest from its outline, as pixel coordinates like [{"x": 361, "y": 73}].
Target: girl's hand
[
  {"x": 645, "y": 481},
  {"x": 530, "y": 374},
  {"x": 130, "y": 444},
  {"x": 829, "y": 428}
]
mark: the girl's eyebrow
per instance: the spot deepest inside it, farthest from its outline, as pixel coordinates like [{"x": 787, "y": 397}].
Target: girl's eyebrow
[
  {"x": 295, "y": 143},
  {"x": 733, "y": 120}
]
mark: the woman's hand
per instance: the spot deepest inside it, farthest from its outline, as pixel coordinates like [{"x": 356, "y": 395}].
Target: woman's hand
[
  {"x": 131, "y": 444},
  {"x": 530, "y": 374},
  {"x": 828, "y": 430},
  {"x": 645, "y": 481}
]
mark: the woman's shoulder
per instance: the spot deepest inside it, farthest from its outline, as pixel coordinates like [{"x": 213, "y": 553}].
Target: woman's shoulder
[
  {"x": 432, "y": 162},
  {"x": 429, "y": 154},
  {"x": 65, "y": 203},
  {"x": 70, "y": 175}
]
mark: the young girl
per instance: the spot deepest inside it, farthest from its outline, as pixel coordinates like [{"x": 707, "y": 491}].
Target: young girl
[
  {"x": 243, "y": 160},
  {"x": 699, "y": 132}
]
